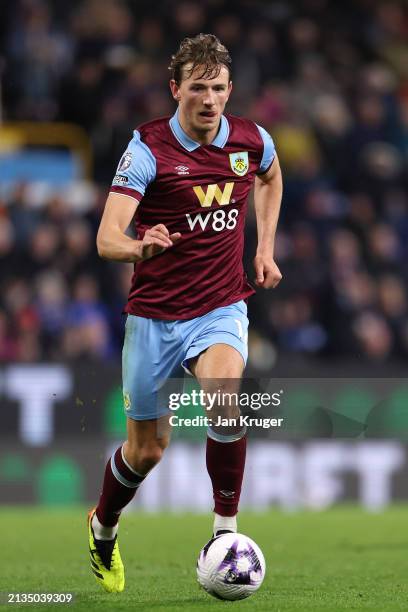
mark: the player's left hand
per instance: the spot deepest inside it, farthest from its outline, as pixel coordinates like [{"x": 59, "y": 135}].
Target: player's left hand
[{"x": 268, "y": 275}]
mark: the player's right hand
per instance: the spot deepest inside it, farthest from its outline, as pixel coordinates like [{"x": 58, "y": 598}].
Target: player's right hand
[{"x": 156, "y": 240}]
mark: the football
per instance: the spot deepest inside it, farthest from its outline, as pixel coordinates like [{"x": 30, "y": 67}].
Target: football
[{"x": 231, "y": 566}]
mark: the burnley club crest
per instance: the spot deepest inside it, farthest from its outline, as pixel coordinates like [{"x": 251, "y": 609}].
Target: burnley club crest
[{"x": 239, "y": 162}]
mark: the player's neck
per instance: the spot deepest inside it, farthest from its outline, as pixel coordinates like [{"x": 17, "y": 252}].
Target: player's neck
[{"x": 201, "y": 136}]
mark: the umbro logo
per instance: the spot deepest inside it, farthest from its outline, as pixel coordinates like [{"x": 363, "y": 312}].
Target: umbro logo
[
  {"x": 182, "y": 170},
  {"x": 225, "y": 493}
]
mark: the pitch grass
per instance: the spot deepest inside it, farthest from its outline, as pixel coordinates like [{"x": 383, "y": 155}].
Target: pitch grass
[{"x": 342, "y": 559}]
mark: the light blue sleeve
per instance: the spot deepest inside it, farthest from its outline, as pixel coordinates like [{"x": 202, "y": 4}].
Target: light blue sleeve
[
  {"x": 137, "y": 168},
  {"x": 269, "y": 150}
]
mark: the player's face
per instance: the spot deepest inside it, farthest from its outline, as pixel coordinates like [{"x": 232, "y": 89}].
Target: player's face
[{"x": 202, "y": 102}]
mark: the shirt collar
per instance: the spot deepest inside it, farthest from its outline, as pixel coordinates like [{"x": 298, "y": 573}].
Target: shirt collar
[{"x": 190, "y": 144}]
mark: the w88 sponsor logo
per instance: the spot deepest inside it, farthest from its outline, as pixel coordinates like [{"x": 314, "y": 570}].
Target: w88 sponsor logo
[{"x": 217, "y": 220}]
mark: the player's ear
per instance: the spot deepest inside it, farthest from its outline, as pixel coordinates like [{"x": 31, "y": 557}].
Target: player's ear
[
  {"x": 175, "y": 90},
  {"x": 229, "y": 89}
]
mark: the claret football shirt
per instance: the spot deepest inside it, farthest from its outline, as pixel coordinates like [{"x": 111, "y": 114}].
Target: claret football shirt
[{"x": 200, "y": 191}]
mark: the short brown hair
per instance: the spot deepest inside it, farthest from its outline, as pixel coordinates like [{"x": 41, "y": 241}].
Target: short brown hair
[{"x": 203, "y": 50}]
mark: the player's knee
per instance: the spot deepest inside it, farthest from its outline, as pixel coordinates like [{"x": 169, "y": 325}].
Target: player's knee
[
  {"x": 224, "y": 397},
  {"x": 225, "y": 386},
  {"x": 149, "y": 456},
  {"x": 143, "y": 457}
]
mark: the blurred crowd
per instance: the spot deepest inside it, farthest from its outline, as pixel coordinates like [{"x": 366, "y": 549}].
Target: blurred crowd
[{"x": 328, "y": 80}]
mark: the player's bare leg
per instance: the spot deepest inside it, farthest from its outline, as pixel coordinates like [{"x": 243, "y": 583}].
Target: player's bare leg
[
  {"x": 146, "y": 443},
  {"x": 124, "y": 473},
  {"x": 219, "y": 369},
  {"x": 130, "y": 465}
]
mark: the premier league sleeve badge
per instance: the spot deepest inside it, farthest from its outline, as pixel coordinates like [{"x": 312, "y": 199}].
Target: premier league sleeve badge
[{"x": 125, "y": 161}]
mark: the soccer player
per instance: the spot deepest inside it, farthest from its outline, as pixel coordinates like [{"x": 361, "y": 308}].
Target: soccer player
[{"x": 185, "y": 180}]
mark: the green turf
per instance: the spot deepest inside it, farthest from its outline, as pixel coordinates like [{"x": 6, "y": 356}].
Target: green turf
[{"x": 343, "y": 559}]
